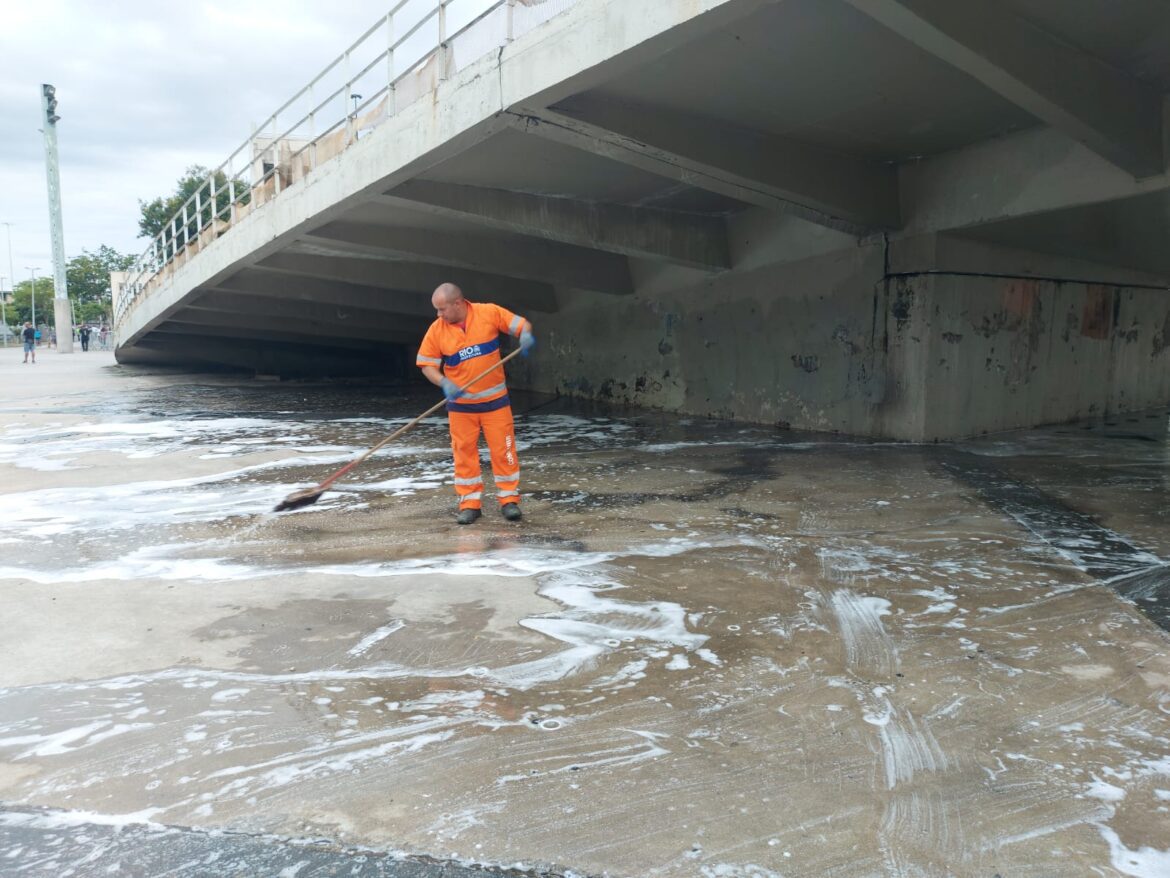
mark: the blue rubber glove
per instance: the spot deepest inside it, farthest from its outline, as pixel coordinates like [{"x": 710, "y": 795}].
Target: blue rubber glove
[
  {"x": 450, "y": 389},
  {"x": 527, "y": 342}
]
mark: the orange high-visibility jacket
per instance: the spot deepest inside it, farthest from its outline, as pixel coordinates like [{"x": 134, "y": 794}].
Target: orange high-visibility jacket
[{"x": 464, "y": 353}]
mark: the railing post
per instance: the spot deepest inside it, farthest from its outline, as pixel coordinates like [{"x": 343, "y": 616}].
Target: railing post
[
  {"x": 232, "y": 200},
  {"x": 345, "y": 98},
  {"x": 198, "y": 213},
  {"x": 442, "y": 40},
  {"x": 391, "y": 108},
  {"x": 174, "y": 237},
  {"x": 510, "y": 17},
  {"x": 186, "y": 225},
  {"x": 211, "y": 195},
  {"x": 272, "y": 145},
  {"x": 312, "y": 129}
]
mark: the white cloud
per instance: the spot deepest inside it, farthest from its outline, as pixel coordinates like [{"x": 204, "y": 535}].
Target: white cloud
[{"x": 145, "y": 89}]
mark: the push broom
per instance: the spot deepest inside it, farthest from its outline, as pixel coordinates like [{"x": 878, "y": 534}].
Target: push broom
[{"x": 309, "y": 496}]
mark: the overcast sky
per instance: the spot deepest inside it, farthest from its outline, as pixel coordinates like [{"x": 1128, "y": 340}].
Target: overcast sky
[{"x": 145, "y": 89}]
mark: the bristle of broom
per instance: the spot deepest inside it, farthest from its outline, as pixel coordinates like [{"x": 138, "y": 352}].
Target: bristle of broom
[{"x": 297, "y": 499}]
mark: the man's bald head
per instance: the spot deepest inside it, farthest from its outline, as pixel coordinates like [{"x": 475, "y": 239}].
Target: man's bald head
[{"x": 449, "y": 303}]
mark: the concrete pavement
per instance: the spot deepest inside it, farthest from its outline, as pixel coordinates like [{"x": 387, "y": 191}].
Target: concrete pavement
[{"x": 707, "y": 650}]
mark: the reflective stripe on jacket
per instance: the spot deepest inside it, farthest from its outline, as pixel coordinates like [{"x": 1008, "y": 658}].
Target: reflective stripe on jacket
[{"x": 464, "y": 353}]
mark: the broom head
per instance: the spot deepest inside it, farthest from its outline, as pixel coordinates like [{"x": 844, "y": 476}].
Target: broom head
[{"x": 298, "y": 499}]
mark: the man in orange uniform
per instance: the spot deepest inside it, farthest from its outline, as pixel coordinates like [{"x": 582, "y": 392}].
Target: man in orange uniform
[{"x": 465, "y": 340}]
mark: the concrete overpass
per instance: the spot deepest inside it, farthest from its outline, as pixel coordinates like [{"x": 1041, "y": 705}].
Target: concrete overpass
[{"x": 915, "y": 219}]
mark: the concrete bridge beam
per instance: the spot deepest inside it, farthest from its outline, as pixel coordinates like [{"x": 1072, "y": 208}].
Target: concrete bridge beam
[
  {"x": 247, "y": 334},
  {"x": 610, "y": 39},
  {"x": 295, "y": 290},
  {"x": 342, "y": 331},
  {"x": 273, "y": 353},
  {"x": 1113, "y": 114},
  {"x": 358, "y": 347},
  {"x": 687, "y": 239},
  {"x": 417, "y": 279},
  {"x": 754, "y": 167},
  {"x": 524, "y": 258},
  {"x": 960, "y": 255},
  {"x": 1018, "y": 175},
  {"x": 326, "y": 315}
]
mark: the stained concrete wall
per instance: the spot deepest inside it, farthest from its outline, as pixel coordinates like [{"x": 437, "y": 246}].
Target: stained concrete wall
[
  {"x": 1002, "y": 353},
  {"x": 838, "y": 342},
  {"x": 801, "y": 345}
]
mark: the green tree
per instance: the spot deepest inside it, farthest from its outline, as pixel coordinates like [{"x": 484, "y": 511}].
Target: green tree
[
  {"x": 20, "y": 306},
  {"x": 157, "y": 215},
  {"x": 88, "y": 279}
]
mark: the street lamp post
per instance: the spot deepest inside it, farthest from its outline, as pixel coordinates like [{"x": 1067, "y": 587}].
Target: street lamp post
[
  {"x": 63, "y": 319},
  {"x": 32, "y": 272}
]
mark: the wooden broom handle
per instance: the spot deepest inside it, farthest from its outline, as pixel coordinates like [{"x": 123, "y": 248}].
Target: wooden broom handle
[{"x": 333, "y": 478}]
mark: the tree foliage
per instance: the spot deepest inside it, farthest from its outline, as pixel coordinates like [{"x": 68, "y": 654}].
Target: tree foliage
[
  {"x": 87, "y": 278},
  {"x": 19, "y": 307},
  {"x": 159, "y": 214}
]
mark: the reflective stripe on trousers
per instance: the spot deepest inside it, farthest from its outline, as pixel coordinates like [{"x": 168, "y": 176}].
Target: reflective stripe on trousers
[{"x": 501, "y": 441}]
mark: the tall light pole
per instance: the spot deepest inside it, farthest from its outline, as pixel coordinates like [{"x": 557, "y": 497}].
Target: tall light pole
[
  {"x": 63, "y": 318},
  {"x": 32, "y": 272}
]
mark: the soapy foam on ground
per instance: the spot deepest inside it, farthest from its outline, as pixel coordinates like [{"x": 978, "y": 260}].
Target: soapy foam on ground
[{"x": 235, "y": 742}]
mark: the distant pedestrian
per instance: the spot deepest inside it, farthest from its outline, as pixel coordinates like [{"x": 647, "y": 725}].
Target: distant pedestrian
[
  {"x": 29, "y": 336},
  {"x": 83, "y": 334},
  {"x": 104, "y": 337}
]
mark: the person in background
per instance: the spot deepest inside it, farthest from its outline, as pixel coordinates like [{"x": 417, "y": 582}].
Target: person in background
[{"x": 29, "y": 336}]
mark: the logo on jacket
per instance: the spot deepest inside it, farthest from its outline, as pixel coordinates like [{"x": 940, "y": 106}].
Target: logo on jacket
[{"x": 468, "y": 352}]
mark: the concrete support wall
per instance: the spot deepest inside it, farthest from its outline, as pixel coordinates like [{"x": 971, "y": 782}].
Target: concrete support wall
[
  {"x": 801, "y": 345},
  {"x": 836, "y": 342},
  {"x": 1004, "y": 353}
]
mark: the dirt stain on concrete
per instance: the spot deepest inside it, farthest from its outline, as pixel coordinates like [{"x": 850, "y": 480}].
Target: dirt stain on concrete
[{"x": 710, "y": 649}]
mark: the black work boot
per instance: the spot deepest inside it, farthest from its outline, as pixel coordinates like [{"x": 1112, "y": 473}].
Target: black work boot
[
  {"x": 511, "y": 511},
  {"x": 467, "y": 516}
]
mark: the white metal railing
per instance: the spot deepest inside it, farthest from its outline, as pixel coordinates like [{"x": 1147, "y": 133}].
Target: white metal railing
[{"x": 400, "y": 57}]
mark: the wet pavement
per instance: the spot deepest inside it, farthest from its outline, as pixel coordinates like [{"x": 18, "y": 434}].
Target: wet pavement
[{"x": 708, "y": 649}]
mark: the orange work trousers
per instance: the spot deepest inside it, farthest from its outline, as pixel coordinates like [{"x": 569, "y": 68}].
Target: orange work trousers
[{"x": 501, "y": 442}]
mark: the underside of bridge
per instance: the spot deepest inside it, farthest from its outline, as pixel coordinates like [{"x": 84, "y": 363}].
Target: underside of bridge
[{"x": 914, "y": 219}]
